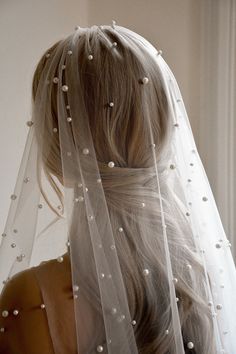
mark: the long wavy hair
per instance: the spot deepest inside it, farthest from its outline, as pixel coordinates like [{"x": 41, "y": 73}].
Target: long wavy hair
[{"x": 121, "y": 138}]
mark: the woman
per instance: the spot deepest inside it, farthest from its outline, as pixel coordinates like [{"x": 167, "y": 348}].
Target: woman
[{"x": 110, "y": 133}]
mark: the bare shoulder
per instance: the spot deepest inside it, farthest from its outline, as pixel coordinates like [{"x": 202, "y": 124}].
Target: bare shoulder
[{"x": 23, "y": 319}]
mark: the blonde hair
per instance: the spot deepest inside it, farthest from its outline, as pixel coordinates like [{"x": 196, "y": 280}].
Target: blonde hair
[{"x": 122, "y": 139}]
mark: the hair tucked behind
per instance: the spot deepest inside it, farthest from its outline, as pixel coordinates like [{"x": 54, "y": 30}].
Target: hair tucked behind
[{"x": 121, "y": 136}]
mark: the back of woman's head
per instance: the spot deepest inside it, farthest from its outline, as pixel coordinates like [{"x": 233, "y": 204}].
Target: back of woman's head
[{"x": 121, "y": 94}]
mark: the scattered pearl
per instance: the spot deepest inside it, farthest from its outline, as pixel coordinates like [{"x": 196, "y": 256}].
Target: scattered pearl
[
  {"x": 187, "y": 214},
  {"x": 113, "y": 247},
  {"x": 30, "y": 123},
  {"x": 111, "y": 104},
  {"x": 42, "y": 306},
  {"x": 111, "y": 164},
  {"x": 218, "y": 245},
  {"x": 102, "y": 275},
  {"x": 121, "y": 229},
  {"x": 113, "y": 24},
  {"x": 63, "y": 67},
  {"x": 40, "y": 206},
  {"x": 146, "y": 272},
  {"x": 166, "y": 331},
  {"x": 85, "y": 151},
  {"x": 99, "y": 348},
  {"x": 189, "y": 266},
  {"x": 2, "y": 329},
  {"x": 175, "y": 280},
  {"x": 109, "y": 276},
  {"x": 99, "y": 180},
  {"x": 91, "y": 217},
  {"x": 121, "y": 318},
  {"x": 79, "y": 199},
  {"x": 75, "y": 287},
  {"x": 47, "y": 55},
  {"x": 210, "y": 303},
  {"x": 68, "y": 243},
  {"x": 55, "y": 130},
  {"x": 13, "y": 196},
  {"x": 68, "y": 153},
  {"x": 60, "y": 259},
  {"x": 114, "y": 44},
  {"x": 15, "y": 312},
  {"x": 80, "y": 185},
  {"x": 172, "y": 167},
  {"x": 77, "y": 28},
  {"x": 159, "y": 52},
  {"x": 90, "y": 57},
  {"x": 75, "y": 296},
  {"x": 113, "y": 311},
  {"x": 145, "y": 80},
  {"x": 64, "y": 88},
  {"x": 55, "y": 80},
  {"x": 15, "y": 231},
  {"x": 177, "y": 299},
  {"x": 26, "y": 180},
  {"x": 13, "y": 245},
  {"x": 204, "y": 199},
  {"x": 5, "y": 313},
  {"x": 219, "y": 307},
  {"x": 4, "y": 234},
  {"x": 133, "y": 322},
  {"x": 69, "y": 52},
  {"x": 69, "y": 119},
  {"x": 153, "y": 145},
  {"x": 20, "y": 258},
  {"x": 176, "y": 125},
  {"x": 143, "y": 205},
  {"x": 190, "y": 345},
  {"x": 68, "y": 106},
  {"x": 191, "y": 164}
]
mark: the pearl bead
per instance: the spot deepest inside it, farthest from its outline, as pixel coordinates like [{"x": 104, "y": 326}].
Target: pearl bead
[
  {"x": 99, "y": 348},
  {"x": 204, "y": 199},
  {"x": 63, "y": 67},
  {"x": 2, "y": 329},
  {"x": 77, "y": 28},
  {"x": 47, "y": 55},
  {"x": 15, "y": 312},
  {"x": 15, "y": 231},
  {"x": 30, "y": 123},
  {"x": 145, "y": 80},
  {"x": 13, "y": 245},
  {"x": 13, "y": 196},
  {"x": 55, "y": 80},
  {"x": 75, "y": 296},
  {"x": 55, "y": 130},
  {"x": 113, "y": 311},
  {"x": 91, "y": 217},
  {"x": 69, "y": 52},
  {"x": 143, "y": 205},
  {"x": 111, "y": 104},
  {"x": 68, "y": 243},
  {"x": 5, "y": 313},
  {"x": 102, "y": 275},
  {"x": 26, "y": 179},
  {"x": 175, "y": 280},
  {"x": 133, "y": 322},
  {"x": 172, "y": 167},
  {"x": 159, "y": 52},
  {"x": 121, "y": 318},
  {"x": 190, "y": 345},
  {"x": 75, "y": 287},
  {"x": 68, "y": 106},
  {"x": 113, "y": 24},
  {"x": 90, "y": 57},
  {"x": 40, "y": 206},
  {"x": 210, "y": 303},
  {"x": 80, "y": 198},
  {"x": 80, "y": 185},
  {"x": 42, "y": 306},
  {"x": 69, "y": 119},
  {"x": 60, "y": 259},
  {"x": 146, "y": 272},
  {"x": 85, "y": 151},
  {"x": 166, "y": 331},
  {"x": 177, "y": 299},
  {"x": 189, "y": 266},
  {"x": 4, "y": 234},
  {"x": 64, "y": 88},
  {"x": 218, "y": 245},
  {"x": 111, "y": 164},
  {"x": 153, "y": 145},
  {"x": 113, "y": 247},
  {"x": 121, "y": 229},
  {"x": 114, "y": 44},
  {"x": 99, "y": 180},
  {"x": 219, "y": 307}
]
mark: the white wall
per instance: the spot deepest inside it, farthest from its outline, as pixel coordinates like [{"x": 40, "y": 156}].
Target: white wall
[{"x": 27, "y": 27}]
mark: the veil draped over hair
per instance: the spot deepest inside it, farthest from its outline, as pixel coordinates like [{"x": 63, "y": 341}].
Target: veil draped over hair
[{"x": 151, "y": 266}]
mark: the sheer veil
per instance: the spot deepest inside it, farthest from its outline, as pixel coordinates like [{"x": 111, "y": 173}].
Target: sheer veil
[{"x": 111, "y": 174}]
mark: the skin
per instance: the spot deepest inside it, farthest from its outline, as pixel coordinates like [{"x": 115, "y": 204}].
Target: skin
[{"x": 28, "y": 332}]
